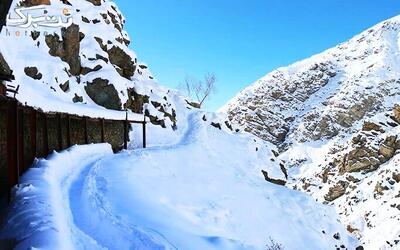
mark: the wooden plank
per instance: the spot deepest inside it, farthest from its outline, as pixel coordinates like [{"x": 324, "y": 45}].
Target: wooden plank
[
  {"x": 33, "y": 133},
  {"x": 69, "y": 131},
  {"x": 21, "y": 168},
  {"x": 86, "y": 130},
  {"x": 59, "y": 132},
  {"x": 144, "y": 133},
  {"x": 46, "y": 135},
  {"x": 12, "y": 145},
  {"x": 103, "y": 131}
]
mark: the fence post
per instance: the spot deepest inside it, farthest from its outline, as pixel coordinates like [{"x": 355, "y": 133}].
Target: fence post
[
  {"x": 126, "y": 131},
  {"x": 144, "y": 131}
]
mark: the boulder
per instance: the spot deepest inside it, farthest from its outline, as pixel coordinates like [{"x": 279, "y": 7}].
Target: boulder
[
  {"x": 361, "y": 159},
  {"x": 103, "y": 94},
  {"x": 65, "y": 87},
  {"x": 136, "y": 101},
  {"x": 370, "y": 126},
  {"x": 95, "y": 2},
  {"x": 33, "y": 72},
  {"x": 274, "y": 181},
  {"x": 122, "y": 62},
  {"x": 396, "y": 177},
  {"x": 118, "y": 57},
  {"x": 396, "y": 113},
  {"x": 336, "y": 191},
  {"x": 379, "y": 188},
  {"x": 77, "y": 98},
  {"x": 388, "y": 148},
  {"x": 67, "y": 48},
  {"x": 35, "y": 35}
]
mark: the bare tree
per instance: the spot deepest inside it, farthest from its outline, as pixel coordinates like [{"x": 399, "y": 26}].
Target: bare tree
[{"x": 199, "y": 91}]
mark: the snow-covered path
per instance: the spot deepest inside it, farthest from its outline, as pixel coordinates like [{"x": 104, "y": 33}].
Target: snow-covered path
[{"x": 203, "y": 192}]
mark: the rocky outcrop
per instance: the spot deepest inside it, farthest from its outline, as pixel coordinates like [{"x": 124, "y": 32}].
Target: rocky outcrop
[
  {"x": 31, "y": 3},
  {"x": 77, "y": 98},
  {"x": 336, "y": 191},
  {"x": 4, "y": 68},
  {"x": 396, "y": 113},
  {"x": 33, "y": 72},
  {"x": 388, "y": 148},
  {"x": 65, "y": 86},
  {"x": 95, "y": 2},
  {"x": 104, "y": 94},
  {"x": 370, "y": 126},
  {"x": 123, "y": 63},
  {"x": 67, "y": 48},
  {"x": 136, "y": 101},
  {"x": 274, "y": 181}
]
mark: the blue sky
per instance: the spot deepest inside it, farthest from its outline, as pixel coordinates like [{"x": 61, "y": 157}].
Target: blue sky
[{"x": 241, "y": 41}]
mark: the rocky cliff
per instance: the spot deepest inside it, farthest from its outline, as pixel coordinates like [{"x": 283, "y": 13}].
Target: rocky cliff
[
  {"x": 84, "y": 67},
  {"x": 335, "y": 119}
]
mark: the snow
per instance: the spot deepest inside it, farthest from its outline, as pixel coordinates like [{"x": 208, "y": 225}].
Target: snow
[
  {"x": 319, "y": 116},
  {"x": 196, "y": 187},
  {"x": 204, "y": 192},
  {"x": 39, "y": 216},
  {"x": 46, "y": 93}
]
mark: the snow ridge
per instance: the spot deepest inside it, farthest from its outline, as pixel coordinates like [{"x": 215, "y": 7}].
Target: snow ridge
[{"x": 335, "y": 120}]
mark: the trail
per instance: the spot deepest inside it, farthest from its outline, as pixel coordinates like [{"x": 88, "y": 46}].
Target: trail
[
  {"x": 205, "y": 191},
  {"x": 91, "y": 211}
]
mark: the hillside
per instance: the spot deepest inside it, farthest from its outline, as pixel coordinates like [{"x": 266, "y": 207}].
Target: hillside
[
  {"x": 200, "y": 184},
  {"x": 335, "y": 119}
]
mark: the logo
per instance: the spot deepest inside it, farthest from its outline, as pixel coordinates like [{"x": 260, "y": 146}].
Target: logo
[{"x": 25, "y": 18}]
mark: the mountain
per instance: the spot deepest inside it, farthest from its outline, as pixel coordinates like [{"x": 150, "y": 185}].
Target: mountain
[
  {"x": 83, "y": 68},
  {"x": 200, "y": 184},
  {"x": 335, "y": 119}
]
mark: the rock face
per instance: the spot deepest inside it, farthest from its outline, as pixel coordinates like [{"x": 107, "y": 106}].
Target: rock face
[
  {"x": 123, "y": 63},
  {"x": 4, "y": 68},
  {"x": 87, "y": 63},
  {"x": 335, "y": 118},
  {"x": 67, "y": 48},
  {"x": 95, "y": 2},
  {"x": 323, "y": 96},
  {"x": 396, "y": 113},
  {"x": 103, "y": 94},
  {"x": 336, "y": 191}
]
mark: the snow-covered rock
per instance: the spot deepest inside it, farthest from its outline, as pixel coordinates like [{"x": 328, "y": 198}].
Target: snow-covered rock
[
  {"x": 335, "y": 119},
  {"x": 85, "y": 68},
  {"x": 199, "y": 185}
]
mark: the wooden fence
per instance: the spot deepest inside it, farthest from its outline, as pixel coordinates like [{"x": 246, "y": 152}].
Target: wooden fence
[{"x": 27, "y": 133}]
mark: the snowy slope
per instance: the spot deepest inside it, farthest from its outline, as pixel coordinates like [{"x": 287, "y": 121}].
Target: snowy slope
[
  {"x": 327, "y": 94},
  {"x": 335, "y": 120},
  {"x": 195, "y": 194},
  {"x": 200, "y": 184}
]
